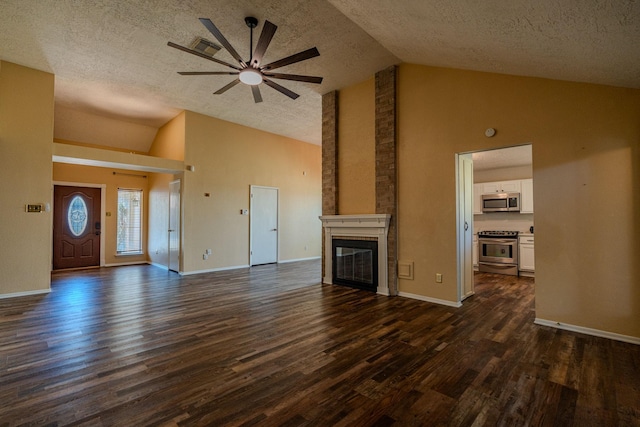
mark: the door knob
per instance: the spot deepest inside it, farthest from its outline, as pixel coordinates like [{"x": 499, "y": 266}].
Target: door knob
[{"x": 274, "y": 229}]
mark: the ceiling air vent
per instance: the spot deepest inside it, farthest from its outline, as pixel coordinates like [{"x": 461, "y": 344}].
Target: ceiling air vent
[{"x": 205, "y": 46}]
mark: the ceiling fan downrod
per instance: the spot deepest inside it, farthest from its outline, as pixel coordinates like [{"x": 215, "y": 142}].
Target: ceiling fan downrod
[{"x": 251, "y": 23}]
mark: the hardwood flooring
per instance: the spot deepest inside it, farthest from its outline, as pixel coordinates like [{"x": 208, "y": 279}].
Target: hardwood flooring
[{"x": 269, "y": 346}]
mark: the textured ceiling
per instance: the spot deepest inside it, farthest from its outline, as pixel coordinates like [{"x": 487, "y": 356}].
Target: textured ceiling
[
  {"x": 110, "y": 57},
  {"x": 502, "y": 158}
]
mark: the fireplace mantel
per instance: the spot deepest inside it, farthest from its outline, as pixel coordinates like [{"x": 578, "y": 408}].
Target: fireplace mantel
[{"x": 370, "y": 225}]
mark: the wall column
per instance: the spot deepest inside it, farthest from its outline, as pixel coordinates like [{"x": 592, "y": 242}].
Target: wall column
[
  {"x": 329, "y": 159},
  {"x": 386, "y": 173}
]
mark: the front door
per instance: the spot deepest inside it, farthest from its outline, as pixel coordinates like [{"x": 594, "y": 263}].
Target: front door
[
  {"x": 264, "y": 225},
  {"x": 76, "y": 227}
]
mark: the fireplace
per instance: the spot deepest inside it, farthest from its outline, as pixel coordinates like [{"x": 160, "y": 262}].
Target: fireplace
[
  {"x": 361, "y": 237},
  {"x": 355, "y": 263}
]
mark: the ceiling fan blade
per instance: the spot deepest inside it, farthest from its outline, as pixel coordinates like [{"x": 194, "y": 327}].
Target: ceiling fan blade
[
  {"x": 223, "y": 41},
  {"x": 257, "y": 96},
  {"x": 281, "y": 89},
  {"x": 201, "y": 55},
  {"x": 268, "y": 30},
  {"x": 227, "y": 87},
  {"x": 300, "y": 56},
  {"x": 298, "y": 78},
  {"x": 207, "y": 73}
]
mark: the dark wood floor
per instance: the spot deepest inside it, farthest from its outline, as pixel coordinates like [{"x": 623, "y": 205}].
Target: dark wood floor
[{"x": 269, "y": 346}]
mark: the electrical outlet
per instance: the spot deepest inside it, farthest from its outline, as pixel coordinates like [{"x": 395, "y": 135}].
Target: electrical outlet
[
  {"x": 205, "y": 256},
  {"x": 438, "y": 277}
]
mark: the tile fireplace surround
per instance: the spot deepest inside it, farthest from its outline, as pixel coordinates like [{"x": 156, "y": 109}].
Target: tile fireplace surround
[{"x": 373, "y": 226}]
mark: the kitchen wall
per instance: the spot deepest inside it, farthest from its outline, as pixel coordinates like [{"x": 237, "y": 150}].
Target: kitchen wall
[
  {"x": 26, "y": 135},
  {"x": 508, "y": 221},
  {"x": 585, "y": 141}
]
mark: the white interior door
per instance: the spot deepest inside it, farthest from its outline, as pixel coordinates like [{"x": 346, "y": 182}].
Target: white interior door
[
  {"x": 263, "y": 225},
  {"x": 465, "y": 226},
  {"x": 174, "y": 225}
]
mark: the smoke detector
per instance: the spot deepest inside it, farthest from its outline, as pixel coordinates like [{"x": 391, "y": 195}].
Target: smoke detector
[{"x": 205, "y": 46}]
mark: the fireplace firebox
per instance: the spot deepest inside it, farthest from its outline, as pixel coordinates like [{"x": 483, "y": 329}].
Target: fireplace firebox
[{"x": 355, "y": 263}]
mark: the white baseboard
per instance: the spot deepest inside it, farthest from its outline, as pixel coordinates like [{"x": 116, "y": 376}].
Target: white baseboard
[
  {"x": 213, "y": 270},
  {"x": 298, "y": 259},
  {"x": 429, "y": 299},
  {"x": 162, "y": 266},
  {"x": 588, "y": 331},
  {"x": 120, "y": 264},
  {"x": 24, "y": 294}
]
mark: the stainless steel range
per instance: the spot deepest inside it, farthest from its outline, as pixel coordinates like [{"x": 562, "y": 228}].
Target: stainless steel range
[{"x": 498, "y": 252}]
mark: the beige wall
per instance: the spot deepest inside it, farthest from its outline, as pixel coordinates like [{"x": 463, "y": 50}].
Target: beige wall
[
  {"x": 168, "y": 143},
  {"x": 356, "y": 141},
  {"x": 586, "y": 171},
  {"x": 122, "y": 179},
  {"x": 228, "y": 158},
  {"x": 26, "y": 134}
]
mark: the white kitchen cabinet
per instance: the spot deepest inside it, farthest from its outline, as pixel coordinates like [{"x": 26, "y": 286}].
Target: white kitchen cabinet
[
  {"x": 501, "y": 187},
  {"x": 475, "y": 251},
  {"x": 526, "y": 259},
  {"x": 477, "y": 198},
  {"x": 526, "y": 196}
]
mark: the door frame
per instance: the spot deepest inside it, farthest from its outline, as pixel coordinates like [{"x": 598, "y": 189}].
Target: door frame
[
  {"x": 251, "y": 187},
  {"x": 103, "y": 202},
  {"x": 179, "y": 231},
  {"x": 464, "y": 264}
]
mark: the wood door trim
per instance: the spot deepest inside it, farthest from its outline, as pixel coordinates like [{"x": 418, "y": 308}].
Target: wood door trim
[{"x": 103, "y": 203}]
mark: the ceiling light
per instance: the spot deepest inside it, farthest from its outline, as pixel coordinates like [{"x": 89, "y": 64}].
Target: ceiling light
[{"x": 250, "y": 76}]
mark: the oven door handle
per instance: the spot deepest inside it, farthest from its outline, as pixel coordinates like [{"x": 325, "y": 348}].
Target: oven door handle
[
  {"x": 496, "y": 265},
  {"x": 507, "y": 241}
]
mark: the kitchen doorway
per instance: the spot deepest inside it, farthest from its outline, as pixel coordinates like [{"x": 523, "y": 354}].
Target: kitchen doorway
[{"x": 507, "y": 170}]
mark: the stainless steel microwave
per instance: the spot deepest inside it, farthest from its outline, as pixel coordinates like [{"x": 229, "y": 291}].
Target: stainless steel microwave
[{"x": 501, "y": 202}]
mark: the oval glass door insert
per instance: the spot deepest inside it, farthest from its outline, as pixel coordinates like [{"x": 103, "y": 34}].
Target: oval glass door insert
[{"x": 77, "y": 216}]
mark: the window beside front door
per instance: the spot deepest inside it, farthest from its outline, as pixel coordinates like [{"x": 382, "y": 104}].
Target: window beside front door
[{"x": 129, "y": 234}]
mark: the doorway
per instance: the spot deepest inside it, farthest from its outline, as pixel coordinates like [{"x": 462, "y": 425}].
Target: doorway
[
  {"x": 263, "y": 228},
  {"x": 77, "y": 227},
  {"x": 502, "y": 170},
  {"x": 174, "y": 226},
  {"x": 464, "y": 179}
]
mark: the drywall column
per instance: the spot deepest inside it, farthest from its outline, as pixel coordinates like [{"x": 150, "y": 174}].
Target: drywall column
[
  {"x": 329, "y": 158},
  {"x": 26, "y": 140},
  {"x": 386, "y": 176}
]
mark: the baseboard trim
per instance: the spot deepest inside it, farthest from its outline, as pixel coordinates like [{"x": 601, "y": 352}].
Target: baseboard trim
[
  {"x": 298, "y": 259},
  {"x": 213, "y": 270},
  {"x": 155, "y": 264},
  {"x": 429, "y": 299},
  {"x": 25, "y": 294},
  {"x": 121, "y": 264},
  {"x": 588, "y": 331}
]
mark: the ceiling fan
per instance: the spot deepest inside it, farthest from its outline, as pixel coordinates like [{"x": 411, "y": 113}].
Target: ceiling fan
[{"x": 252, "y": 72}]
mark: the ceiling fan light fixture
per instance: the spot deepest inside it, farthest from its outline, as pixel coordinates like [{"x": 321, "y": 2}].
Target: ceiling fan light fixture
[{"x": 250, "y": 76}]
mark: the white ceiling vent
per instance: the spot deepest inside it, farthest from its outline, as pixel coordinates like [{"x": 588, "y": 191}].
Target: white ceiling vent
[{"x": 205, "y": 46}]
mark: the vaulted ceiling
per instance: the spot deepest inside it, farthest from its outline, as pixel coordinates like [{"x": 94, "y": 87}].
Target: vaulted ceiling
[{"x": 111, "y": 58}]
